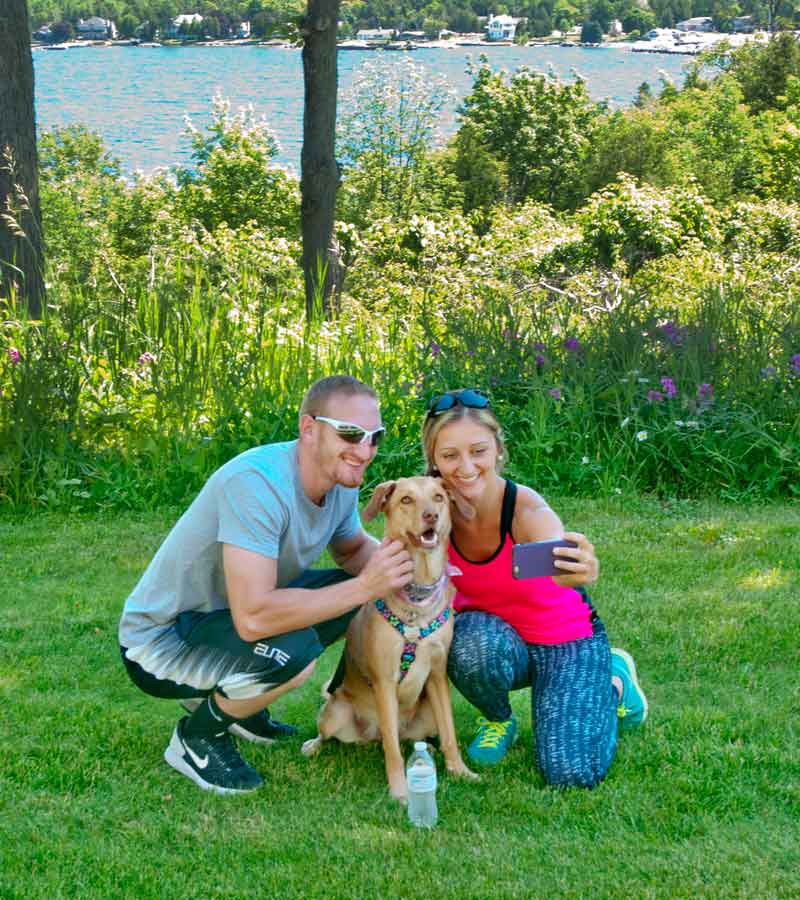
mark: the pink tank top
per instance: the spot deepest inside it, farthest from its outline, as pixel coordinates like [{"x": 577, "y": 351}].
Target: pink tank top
[{"x": 539, "y": 610}]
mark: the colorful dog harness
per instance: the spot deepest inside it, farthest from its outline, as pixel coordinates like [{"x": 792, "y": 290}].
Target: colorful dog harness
[{"x": 410, "y": 647}]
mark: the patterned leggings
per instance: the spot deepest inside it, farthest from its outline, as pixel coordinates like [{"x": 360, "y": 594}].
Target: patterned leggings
[{"x": 574, "y": 705}]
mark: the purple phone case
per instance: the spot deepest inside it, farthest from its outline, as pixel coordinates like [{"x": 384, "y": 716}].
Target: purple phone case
[{"x": 536, "y": 560}]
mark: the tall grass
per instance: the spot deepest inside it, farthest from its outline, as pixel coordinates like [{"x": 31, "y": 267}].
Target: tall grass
[{"x": 132, "y": 399}]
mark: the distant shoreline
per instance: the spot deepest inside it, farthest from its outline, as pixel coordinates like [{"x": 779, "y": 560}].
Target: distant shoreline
[
  {"x": 689, "y": 44},
  {"x": 342, "y": 45}
]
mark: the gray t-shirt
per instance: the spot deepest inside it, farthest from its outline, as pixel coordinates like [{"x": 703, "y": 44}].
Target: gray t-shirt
[{"x": 255, "y": 501}]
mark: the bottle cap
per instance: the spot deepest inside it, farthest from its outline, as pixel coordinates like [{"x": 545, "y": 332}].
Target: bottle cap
[{"x": 420, "y": 745}]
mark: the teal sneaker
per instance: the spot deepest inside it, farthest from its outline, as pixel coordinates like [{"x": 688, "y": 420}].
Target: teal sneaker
[
  {"x": 632, "y": 709},
  {"x": 493, "y": 741}
]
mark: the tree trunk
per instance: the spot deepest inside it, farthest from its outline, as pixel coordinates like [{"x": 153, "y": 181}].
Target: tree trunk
[
  {"x": 320, "y": 173},
  {"x": 21, "y": 259}
]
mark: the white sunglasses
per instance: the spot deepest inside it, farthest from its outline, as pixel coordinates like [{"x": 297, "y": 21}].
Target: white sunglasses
[{"x": 352, "y": 433}]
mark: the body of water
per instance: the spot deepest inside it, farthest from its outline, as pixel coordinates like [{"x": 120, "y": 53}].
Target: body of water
[{"x": 137, "y": 97}]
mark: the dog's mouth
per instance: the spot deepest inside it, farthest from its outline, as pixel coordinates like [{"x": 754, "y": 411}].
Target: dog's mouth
[{"x": 427, "y": 540}]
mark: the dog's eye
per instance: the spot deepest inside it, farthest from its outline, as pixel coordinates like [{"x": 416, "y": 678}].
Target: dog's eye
[
  {"x": 438, "y": 498},
  {"x": 407, "y": 499}
]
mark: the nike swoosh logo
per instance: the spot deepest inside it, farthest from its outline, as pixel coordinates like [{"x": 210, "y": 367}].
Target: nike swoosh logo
[{"x": 200, "y": 763}]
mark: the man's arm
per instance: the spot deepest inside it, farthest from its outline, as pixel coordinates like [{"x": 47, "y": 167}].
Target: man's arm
[
  {"x": 260, "y": 609},
  {"x": 353, "y": 554}
]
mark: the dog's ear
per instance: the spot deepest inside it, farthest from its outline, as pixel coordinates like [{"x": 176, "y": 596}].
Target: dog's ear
[
  {"x": 466, "y": 510},
  {"x": 378, "y": 500}
]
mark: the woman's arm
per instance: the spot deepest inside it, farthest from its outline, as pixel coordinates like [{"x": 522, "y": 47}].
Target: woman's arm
[{"x": 535, "y": 521}]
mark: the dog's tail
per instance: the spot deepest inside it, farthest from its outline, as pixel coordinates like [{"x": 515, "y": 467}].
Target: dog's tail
[{"x": 338, "y": 677}]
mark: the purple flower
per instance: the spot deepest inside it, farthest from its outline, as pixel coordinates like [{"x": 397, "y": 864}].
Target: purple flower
[
  {"x": 506, "y": 333},
  {"x": 794, "y": 362},
  {"x": 538, "y": 345},
  {"x": 669, "y": 388},
  {"x": 470, "y": 353},
  {"x": 672, "y": 333},
  {"x": 146, "y": 359},
  {"x": 14, "y": 355},
  {"x": 572, "y": 344},
  {"x": 435, "y": 349},
  {"x": 655, "y": 396},
  {"x": 540, "y": 360},
  {"x": 769, "y": 372},
  {"x": 705, "y": 394},
  {"x": 555, "y": 393}
]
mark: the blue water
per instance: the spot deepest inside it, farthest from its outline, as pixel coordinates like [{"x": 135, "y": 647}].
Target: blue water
[{"x": 136, "y": 98}]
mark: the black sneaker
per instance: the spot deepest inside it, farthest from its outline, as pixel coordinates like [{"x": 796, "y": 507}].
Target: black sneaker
[
  {"x": 259, "y": 728},
  {"x": 213, "y": 763}
]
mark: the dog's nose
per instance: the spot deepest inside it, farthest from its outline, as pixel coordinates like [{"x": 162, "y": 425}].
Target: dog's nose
[{"x": 430, "y": 515}]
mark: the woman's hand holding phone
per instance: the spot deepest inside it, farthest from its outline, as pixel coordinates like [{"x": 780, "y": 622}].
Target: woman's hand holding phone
[{"x": 570, "y": 560}]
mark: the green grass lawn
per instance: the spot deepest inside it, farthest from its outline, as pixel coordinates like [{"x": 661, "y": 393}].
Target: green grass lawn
[{"x": 704, "y": 801}]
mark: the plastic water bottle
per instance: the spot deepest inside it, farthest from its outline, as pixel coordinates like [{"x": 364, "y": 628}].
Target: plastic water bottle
[{"x": 421, "y": 780}]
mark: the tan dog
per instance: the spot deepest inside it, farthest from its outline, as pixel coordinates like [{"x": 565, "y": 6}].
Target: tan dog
[{"x": 395, "y": 684}]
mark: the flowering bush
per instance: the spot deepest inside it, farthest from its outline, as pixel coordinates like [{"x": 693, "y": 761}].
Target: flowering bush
[
  {"x": 233, "y": 179},
  {"x": 627, "y": 224}
]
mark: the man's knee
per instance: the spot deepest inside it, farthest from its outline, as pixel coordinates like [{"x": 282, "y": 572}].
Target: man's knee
[{"x": 302, "y": 677}]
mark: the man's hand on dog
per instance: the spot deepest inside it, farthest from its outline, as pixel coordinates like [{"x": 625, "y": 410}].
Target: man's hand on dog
[{"x": 389, "y": 569}]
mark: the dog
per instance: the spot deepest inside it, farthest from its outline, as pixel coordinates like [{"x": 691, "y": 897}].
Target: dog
[{"x": 395, "y": 683}]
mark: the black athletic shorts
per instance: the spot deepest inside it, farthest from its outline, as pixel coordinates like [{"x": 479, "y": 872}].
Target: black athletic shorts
[{"x": 203, "y": 653}]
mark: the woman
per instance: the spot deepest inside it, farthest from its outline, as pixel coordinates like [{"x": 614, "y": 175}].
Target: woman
[{"x": 539, "y": 632}]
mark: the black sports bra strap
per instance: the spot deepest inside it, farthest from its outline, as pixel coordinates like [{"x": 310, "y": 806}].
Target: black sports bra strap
[{"x": 507, "y": 512}]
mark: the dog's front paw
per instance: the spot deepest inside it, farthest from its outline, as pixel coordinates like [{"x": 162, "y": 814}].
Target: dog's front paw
[
  {"x": 399, "y": 790},
  {"x": 311, "y": 747},
  {"x": 461, "y": 771}
]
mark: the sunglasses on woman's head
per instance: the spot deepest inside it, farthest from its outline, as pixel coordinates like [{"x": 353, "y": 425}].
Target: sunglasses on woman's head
[
  {"x": 352, "y": 433},
  {"x": 469, "y": 397}
]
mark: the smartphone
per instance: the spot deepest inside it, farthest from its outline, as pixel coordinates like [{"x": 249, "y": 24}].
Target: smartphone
[{"x": 536, "y": 560}]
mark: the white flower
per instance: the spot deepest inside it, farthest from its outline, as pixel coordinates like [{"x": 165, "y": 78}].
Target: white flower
[
  {"x": 617, "y": 490},
  {"x": 641, "y": 435},
  {"x": 624, "y": 422},
  {"x": 680, "y": 423},
  {"x": 585, "y": 461},
  {"x": 692, "y": 424}
]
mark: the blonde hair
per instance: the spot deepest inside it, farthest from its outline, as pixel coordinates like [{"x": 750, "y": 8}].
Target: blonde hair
[
  {"x": 434, "y": 424},
  {"x": 316, "y": 398}
]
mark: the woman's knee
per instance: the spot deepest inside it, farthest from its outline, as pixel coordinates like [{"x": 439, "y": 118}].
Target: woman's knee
[
  {"x": 484, "y": 645},
  {"x": 565, "y": 773}
]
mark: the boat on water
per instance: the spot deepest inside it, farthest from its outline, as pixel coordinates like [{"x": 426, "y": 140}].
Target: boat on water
[{"x": 353, "y": 45}]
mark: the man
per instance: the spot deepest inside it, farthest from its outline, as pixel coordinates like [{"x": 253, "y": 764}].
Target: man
[{"x": 226, "y": 617}]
